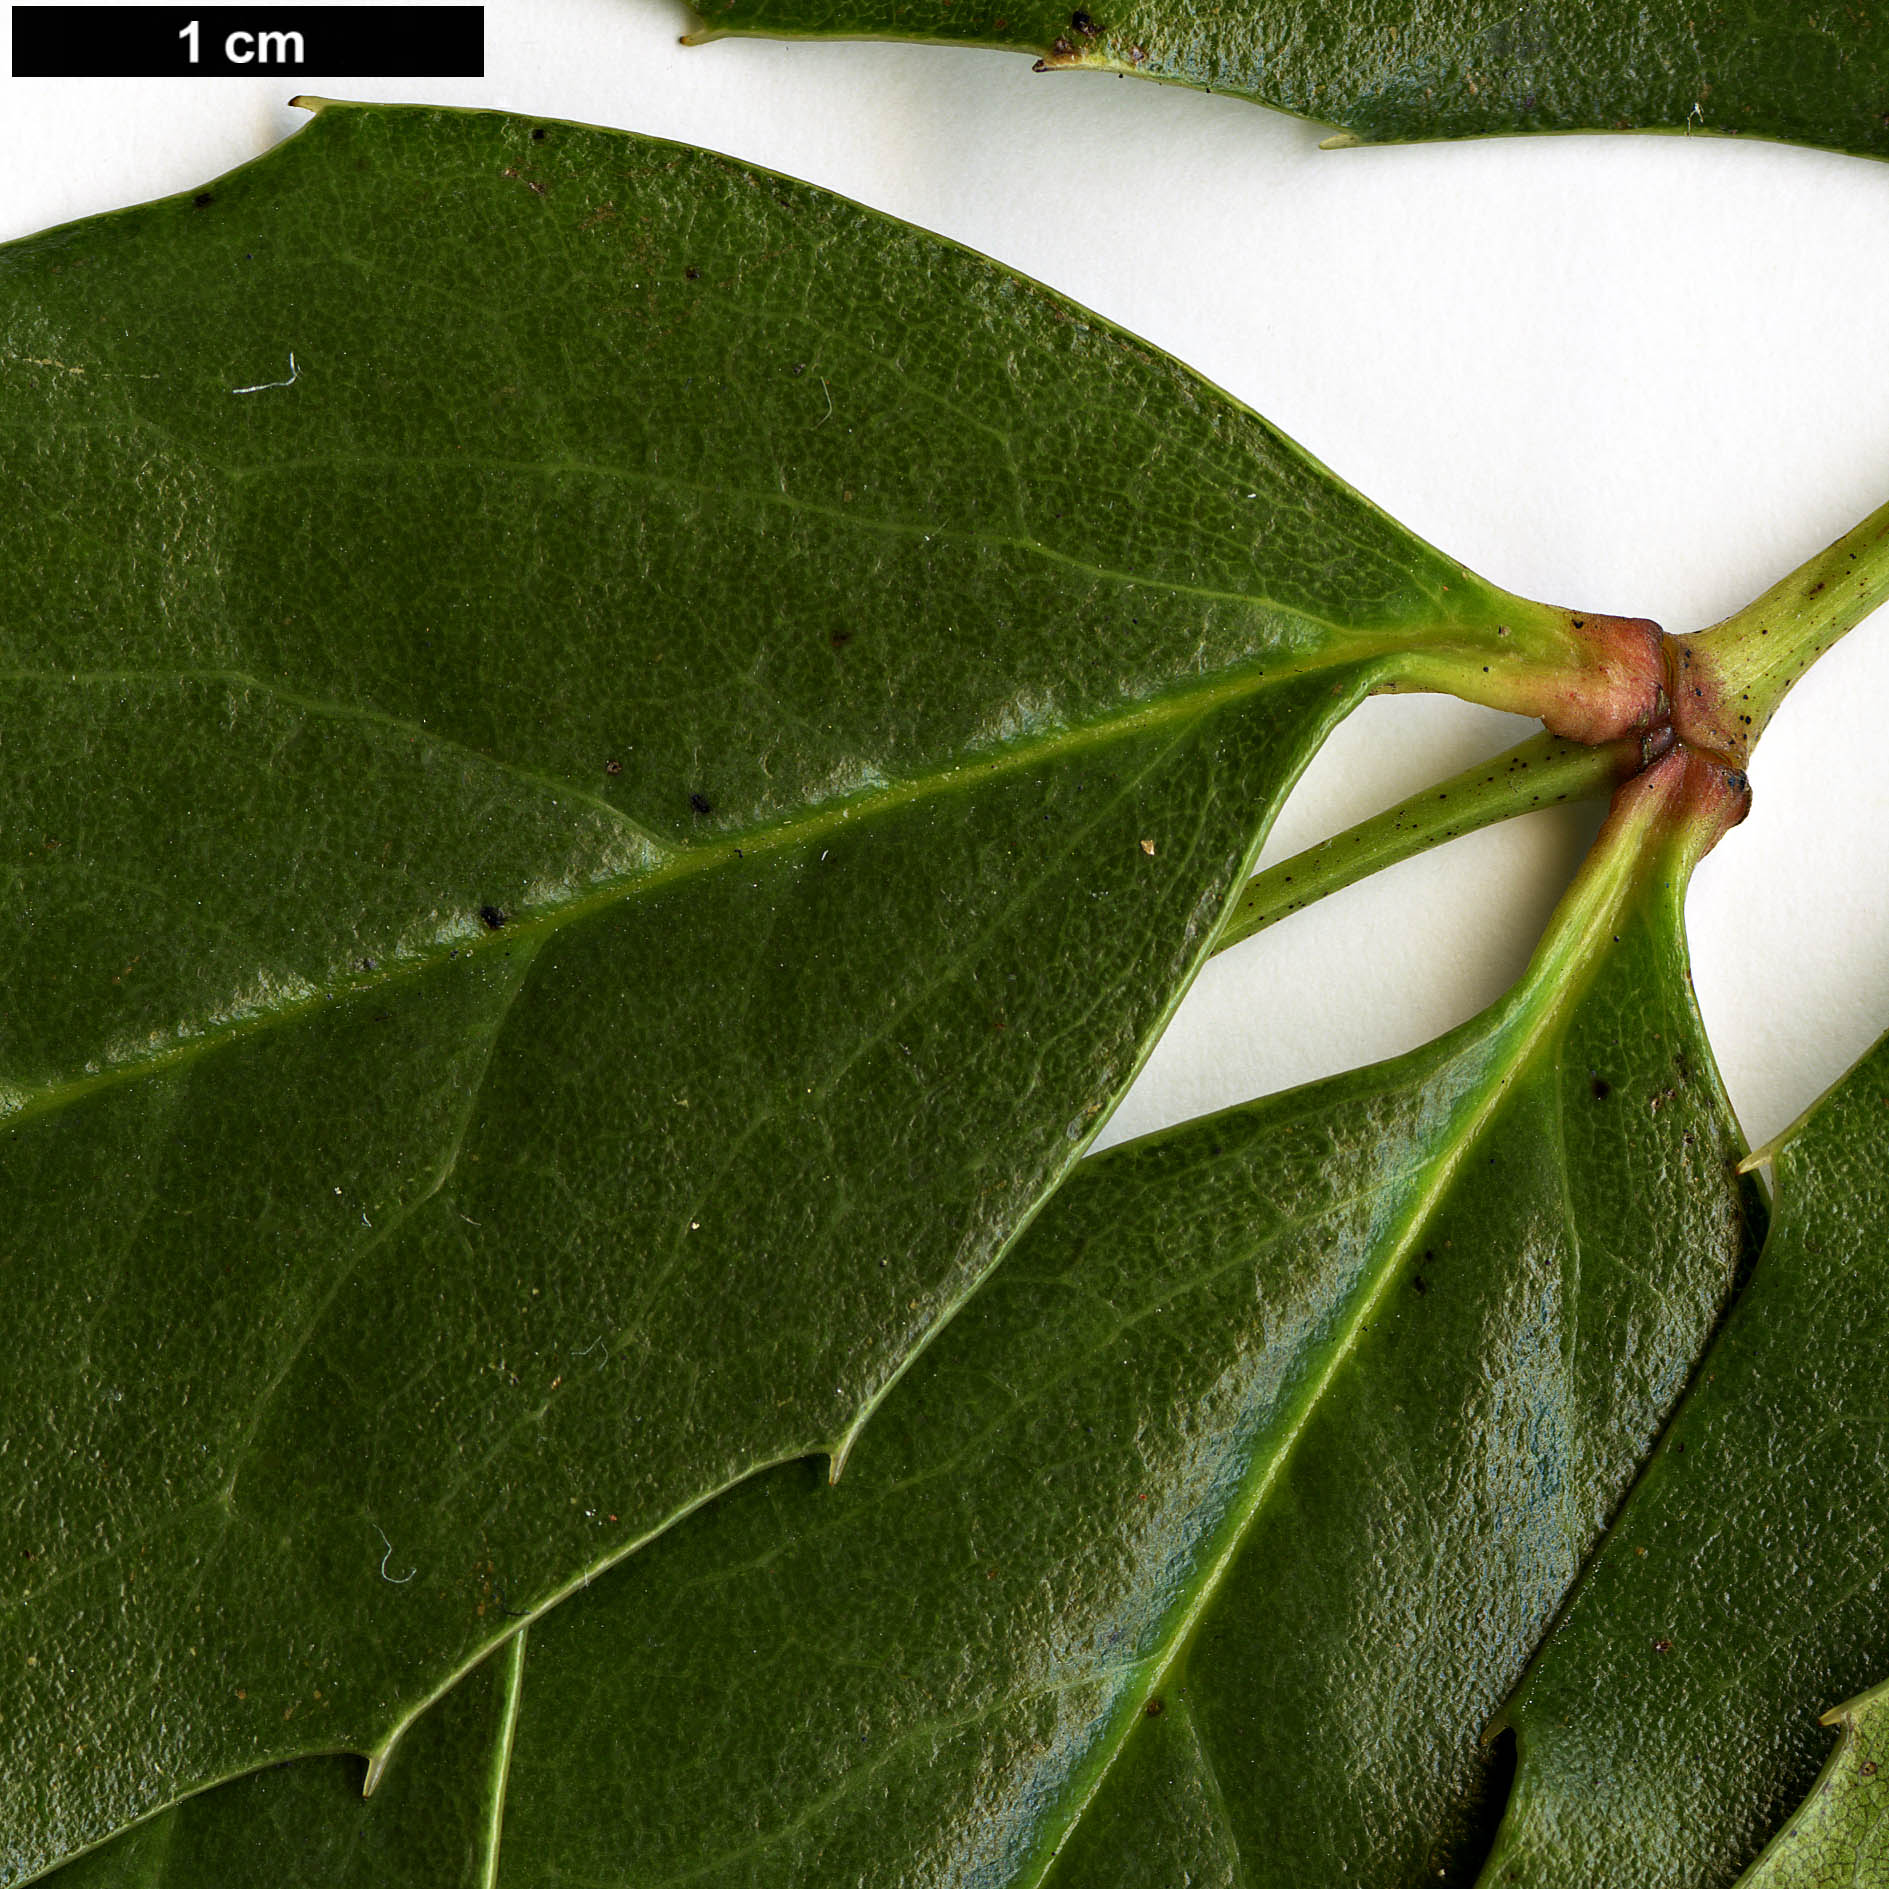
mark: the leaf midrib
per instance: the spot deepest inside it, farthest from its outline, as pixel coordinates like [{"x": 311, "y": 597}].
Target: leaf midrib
[
  {"x": 243, "y": 679},
  {"x": 1535, "y": 1011},
  {"x": 513, "y": 1654},
  {"x": 21, "y": 1103}
]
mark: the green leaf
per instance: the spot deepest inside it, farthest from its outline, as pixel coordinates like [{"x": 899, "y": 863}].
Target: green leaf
[
  {"x": 434, "y": 1822},
  {"x": 1723, "y": 685},
  {"x": 1543, "y": 771},
  {"x": 610, "y": 764},
  {"x": 1204, "y": 1543},
  {"x": 1671, "y": 1723},
  {"x": 1839, "y": 1839},
  {"x": 1390, "y": 74}
]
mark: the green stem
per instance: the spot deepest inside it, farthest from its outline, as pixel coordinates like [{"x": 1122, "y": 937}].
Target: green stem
[
  {"x": 1541, "y": 772},
  {"x": 1724, "y": 686},
  {"x": 1726, "y": 682}
]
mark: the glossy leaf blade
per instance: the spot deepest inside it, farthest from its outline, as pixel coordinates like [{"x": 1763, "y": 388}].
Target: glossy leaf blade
[
  {"x": 1393, "y": 74},
  {"x": 1671, "y": 1724},
  {"x": 1207, "y": 1536},
  {"x": 1206, "y": 1539},
  {"x": 609, "y": 764},
  {"x": 434, "y": 1822}
]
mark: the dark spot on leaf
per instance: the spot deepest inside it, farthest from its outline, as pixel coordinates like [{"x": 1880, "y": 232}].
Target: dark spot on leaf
[
  {"x": 538, "y": 135},
  {"x": 613, "y": 767},
  {"x": 1868, "y": 1767},
  {"x": 693, "y": 273},
  {"x": 1602, "y": 1088},
  {"x": 1155, "y": 1706},
  {"x": 840, "y": 638},
  {"x": 700, "y": 803},
  {"x": 491, "y": 917},
  {"x": 1662, "y": 1646},
  {"x": 1418, "y": 1285},
  {"x": 1062, "y": 49},
  {"x": 203, "y": 199},
  {"x": 1083, "y": 25}
]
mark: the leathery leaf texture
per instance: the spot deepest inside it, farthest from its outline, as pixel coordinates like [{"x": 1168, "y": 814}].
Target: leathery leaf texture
[
  {"x": 1839, "y": 1838},
  {"x": 609, "y": 764},
  {"x": 1203, "y": 1544},
  {"x": 1400, "y": 71},
  {"x": 1671, "y": 1724}
]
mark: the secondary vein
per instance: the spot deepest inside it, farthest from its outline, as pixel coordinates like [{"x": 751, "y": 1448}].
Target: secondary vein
[{"x": 20, "y": 1103}]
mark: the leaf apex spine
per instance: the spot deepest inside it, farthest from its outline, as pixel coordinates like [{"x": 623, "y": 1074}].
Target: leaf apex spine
[{"x": 377, "y": 1762}]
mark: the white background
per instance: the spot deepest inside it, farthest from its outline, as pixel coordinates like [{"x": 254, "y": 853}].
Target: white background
[{"x": 1633, "y": 374}]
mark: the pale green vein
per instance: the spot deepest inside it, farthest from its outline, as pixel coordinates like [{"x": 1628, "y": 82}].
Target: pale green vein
[
  {"x": 853, "y": 519},
  {"x": 1209, "y": 1774},
  {"x": 1571, "y": 1294},
  {"x": 1170, "y": 710},
  {"x": 241, "y": 679},
  {"x": 1532, "y": 1014},
  {"x": 21, "y": 1103},
  {"x": 390, "y": 1225},
  {"x": 921, "y": 1733},
  {"x": 513, "y": 1654}
]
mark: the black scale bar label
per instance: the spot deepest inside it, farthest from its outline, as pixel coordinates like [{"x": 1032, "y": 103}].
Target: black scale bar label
[{"x": 359, "y": 42}]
